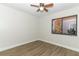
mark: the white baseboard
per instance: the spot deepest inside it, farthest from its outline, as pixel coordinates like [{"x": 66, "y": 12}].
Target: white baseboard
[
  {"x": 13, "y": 46},
  {"x": 64, "y": 46}
]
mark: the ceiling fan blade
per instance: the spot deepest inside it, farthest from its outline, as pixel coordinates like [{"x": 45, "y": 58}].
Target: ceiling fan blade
[
  {"x": 38, "y": 10},
  {"x": 49, "y": 5},
  {"x": 34, "y": 5},
  {"x": 45, "y": 9}
]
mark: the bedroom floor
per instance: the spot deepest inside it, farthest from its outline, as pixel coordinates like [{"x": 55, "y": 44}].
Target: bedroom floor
[{"x": 39, "y": 48}]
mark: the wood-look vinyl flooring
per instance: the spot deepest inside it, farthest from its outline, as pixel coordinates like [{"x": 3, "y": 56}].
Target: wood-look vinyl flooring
[{"x": 39, "y": 48}]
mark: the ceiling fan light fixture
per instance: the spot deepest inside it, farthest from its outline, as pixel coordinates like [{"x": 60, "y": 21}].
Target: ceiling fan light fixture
[{"x": 41, "y": 8}]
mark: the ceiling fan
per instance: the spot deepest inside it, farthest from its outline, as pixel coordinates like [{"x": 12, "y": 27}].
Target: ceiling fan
[{"x": 42, "y": 7}]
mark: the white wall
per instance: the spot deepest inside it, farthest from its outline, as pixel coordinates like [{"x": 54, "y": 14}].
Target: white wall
[
  {"x": 16, "y": 27},
  {"x": 71, "y": 42}
]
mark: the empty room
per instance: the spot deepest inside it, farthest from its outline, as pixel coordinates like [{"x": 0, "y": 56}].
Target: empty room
[{"x": 39, "y": 29}]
